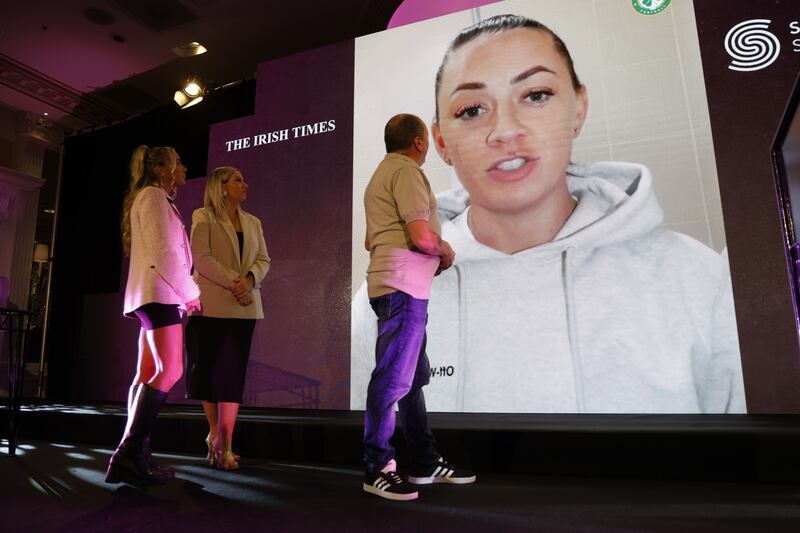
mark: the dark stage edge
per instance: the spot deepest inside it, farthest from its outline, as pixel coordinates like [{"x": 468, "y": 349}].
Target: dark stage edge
[
  {"x": 743, "y": 448},
  {"x": 786, "y": 425},
  {"x": 55, "y": 486}
]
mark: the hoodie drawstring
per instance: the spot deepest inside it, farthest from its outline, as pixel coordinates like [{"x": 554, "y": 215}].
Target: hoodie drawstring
[
  {"x": 572, "y": 328},
  {"x": 462, "y": 336}
]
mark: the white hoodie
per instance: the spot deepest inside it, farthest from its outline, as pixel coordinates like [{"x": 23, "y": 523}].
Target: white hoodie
[{"x": 615, "y": 315}]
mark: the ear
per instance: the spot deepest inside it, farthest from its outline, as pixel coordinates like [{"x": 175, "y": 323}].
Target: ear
[
  {"x": 581, "y": 110},
  {"x": 438, "y": 141}
]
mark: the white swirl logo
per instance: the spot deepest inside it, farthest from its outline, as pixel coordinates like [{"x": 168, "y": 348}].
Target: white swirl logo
[{"x": 751, "y": 46}]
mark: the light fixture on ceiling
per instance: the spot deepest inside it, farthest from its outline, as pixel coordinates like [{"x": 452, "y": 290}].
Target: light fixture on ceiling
[
  {"x": 192, "y": 93},
  {"x": 189, "y": 49}
]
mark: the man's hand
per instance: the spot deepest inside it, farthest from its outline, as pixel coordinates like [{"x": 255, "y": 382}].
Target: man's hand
[{"x": 446, "y": 258}]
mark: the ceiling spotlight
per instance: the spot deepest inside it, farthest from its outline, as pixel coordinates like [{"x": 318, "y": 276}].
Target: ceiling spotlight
[
  {"x": 189, "y": 49},
  {"x": 192, "y": 89},
  {"x": 192, "y": 93}
]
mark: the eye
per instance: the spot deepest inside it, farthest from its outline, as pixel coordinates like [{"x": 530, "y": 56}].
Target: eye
[
  {"x": 538, "y": 96},
  {"x": 470, "y": 112}
]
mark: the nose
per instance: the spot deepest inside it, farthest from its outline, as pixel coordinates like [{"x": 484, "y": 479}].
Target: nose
[{"x": 506, "y": 126}]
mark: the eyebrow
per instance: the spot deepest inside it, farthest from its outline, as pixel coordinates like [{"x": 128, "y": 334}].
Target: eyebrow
[
  {"x": 471, "y": 86},
  {"x": 530, "y": 72},
  {"x": 476, "y": 85}
]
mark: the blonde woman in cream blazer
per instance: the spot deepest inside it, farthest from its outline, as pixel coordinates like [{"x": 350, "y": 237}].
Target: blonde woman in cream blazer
[
  {"x": 158, "y": 290},
  {"x": 230, "y": 263},
  {"x": 161, "y": 261}
]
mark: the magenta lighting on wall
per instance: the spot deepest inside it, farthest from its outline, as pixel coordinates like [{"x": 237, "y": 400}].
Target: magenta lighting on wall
[{"x": 411, "y": 11}]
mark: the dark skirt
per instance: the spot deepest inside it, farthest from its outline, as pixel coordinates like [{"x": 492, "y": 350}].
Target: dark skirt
[
  {"x": 217, "y": 351},
  {"x": 155, "y": 315}
]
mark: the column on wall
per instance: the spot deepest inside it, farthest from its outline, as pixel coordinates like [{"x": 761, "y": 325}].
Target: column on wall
[{"x": 19, "y": 193}]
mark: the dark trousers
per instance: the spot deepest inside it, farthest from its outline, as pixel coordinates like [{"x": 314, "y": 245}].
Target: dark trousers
[{"x": 401, "y": 370}]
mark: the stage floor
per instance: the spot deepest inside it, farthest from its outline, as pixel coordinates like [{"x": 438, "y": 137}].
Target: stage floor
[{"x": 59, "y": 487}]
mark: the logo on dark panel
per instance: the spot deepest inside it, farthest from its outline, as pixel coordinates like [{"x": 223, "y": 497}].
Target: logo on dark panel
[{"x": 751, "y": 46}]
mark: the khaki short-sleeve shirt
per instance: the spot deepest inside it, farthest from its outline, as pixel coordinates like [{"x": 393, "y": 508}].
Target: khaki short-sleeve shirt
[{"x": 399, "y": 193}]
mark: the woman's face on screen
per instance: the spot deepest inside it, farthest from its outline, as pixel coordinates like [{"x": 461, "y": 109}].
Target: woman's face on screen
[{"x": 508, "y": 114}]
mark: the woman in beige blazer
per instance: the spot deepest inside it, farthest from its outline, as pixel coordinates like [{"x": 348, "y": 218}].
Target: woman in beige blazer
[
  {"x": 159, "y": 289},
  {"x": 230, "y": 262}
]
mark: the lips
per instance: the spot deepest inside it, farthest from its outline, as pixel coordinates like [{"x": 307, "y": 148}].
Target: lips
[{"x": 512, "y": 168}]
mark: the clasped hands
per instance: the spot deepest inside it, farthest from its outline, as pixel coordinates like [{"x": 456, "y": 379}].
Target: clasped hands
[{"x": 242, "y": 289}]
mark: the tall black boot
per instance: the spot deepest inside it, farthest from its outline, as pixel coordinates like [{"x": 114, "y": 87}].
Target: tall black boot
[
  {"x": 151, "y": 462},
  {"x": 129, "y": 463}
]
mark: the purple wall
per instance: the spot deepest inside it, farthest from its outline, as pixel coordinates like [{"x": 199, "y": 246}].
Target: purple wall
[
  {"x": 411, "y": 11},
  {"x": 301, "y": 189}
]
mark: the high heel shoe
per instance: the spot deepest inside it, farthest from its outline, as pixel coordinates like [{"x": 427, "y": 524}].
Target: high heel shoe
[
  {"x": 212, "y": 450},
  {"x": 224, "y": 460}
]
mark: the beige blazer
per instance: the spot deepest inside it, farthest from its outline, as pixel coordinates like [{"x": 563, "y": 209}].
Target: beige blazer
[
  {"x": 215, "y": 249},
  {"x": 161, "y": 263}
]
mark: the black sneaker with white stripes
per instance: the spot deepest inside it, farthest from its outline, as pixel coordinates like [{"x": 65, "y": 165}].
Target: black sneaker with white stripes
[
  {"x": 441, "y": 472},
  {"x": 388, "y": 484}
]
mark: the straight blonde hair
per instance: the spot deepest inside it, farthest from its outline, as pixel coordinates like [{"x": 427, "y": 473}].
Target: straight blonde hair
[{"x": 213, "y": 198}]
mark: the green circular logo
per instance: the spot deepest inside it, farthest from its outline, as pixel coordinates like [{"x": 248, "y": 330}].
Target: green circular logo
[{"x": 650, "y": 7}]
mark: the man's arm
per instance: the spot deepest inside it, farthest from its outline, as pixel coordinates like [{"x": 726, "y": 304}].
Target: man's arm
[{"x": 428, "y": 242}]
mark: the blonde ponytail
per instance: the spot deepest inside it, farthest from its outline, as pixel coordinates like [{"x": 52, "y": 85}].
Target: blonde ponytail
[
  {"x": 143, "y": 163},
  {"x": 137, "y": 163}
]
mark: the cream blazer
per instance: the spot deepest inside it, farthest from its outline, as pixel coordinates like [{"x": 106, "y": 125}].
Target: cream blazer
[
  {"x": 215, "y": 249},
  {"x": 161, "y": 261}
]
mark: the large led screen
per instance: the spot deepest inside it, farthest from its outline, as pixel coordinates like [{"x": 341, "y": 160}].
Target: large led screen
[{"x": 628, "y": 309}]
